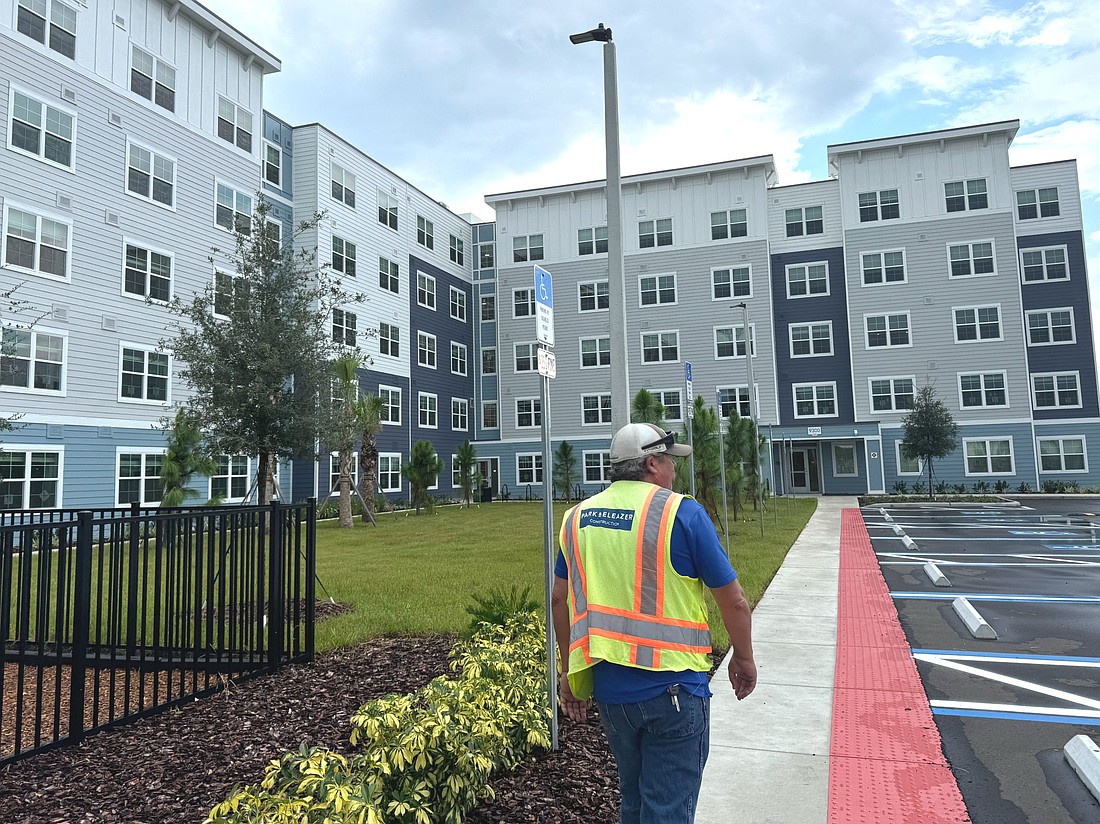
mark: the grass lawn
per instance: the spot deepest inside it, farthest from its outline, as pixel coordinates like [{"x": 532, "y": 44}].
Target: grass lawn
[{"x": 415, "y": 575}]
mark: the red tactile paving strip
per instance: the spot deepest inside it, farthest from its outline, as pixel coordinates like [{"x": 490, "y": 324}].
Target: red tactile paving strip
[{"x": 886, "y": 763}]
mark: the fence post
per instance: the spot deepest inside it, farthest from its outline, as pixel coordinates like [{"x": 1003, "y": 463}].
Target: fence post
[
  {"x": 132, "y": 582},
  {"x": 311, "y": 575},
  {"x": 82, "y": 607},
  {"x": 275, "y": 588}
]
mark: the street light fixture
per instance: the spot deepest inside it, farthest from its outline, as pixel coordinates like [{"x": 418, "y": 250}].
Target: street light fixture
[{"x": 616, "y": 287}]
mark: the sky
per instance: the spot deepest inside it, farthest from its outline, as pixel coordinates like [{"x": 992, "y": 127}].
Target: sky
[{"x": 464, "y": 98}]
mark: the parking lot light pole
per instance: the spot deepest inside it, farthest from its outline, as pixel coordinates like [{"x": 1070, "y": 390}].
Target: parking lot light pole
[{"x": 616, "y": 288}]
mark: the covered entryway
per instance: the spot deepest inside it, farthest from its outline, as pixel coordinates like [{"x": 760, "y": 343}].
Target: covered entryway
[
  {"x": 805, "y": 470},
  {"x": 489, "y": 470}
]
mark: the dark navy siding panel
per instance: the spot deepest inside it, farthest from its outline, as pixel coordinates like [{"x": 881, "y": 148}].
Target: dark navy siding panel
[
  {"x": 1051, "y": 294},
  {"x": 806, "y": 310},
  {"x": 281, "y": 134}
]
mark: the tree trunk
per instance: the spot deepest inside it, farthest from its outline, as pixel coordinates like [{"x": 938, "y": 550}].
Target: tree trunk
[
  {"x": 368, "y": 464},
  {"x": 346, "y": 457},
  {"x": 929, "y": 460},
  {"x": 265, "y": 474}
]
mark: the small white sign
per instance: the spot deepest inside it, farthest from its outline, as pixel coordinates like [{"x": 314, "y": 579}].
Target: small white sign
[
  {"x": 548, "y": 364},
  {"x": 813, "y": 431}
]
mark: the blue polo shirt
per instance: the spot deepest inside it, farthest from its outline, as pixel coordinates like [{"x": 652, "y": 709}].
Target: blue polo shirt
[{"x": 696, "y": 553}]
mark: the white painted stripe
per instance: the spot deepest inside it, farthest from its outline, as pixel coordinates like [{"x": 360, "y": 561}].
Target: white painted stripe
[
  {"x": 1007, "y": 679},
  {"x": 1002, "y": 659},
  {"x": 1020, "y": 708},
  {"x": 982, "y": 564}
]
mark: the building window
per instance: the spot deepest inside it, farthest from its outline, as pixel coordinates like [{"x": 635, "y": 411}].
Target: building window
[
  {"x": 1044, "y": 264},
  {"x": 150, "y": 176},
  {"x": 811, "y": 339},
  {"x": 488, "y": 308},
  {"x": 389, "y": 275},
  {"x": 592, "y": 241},
  {"x": 460, "y": 414},
  {"x": 891, "y": 394},
  {"x": 334, "y": 471},
  {"x": 343, "y": 256},
  {"x": 991, "y": 456},
  {"x": 966, "y": 195},
  {"x": 1036, "y": 203},
  {"x": 273, "y": 164},
  {"x": 881, "y": 205},
  {"x": 154, "y": 80},
  {"x": 807, "y": 280},
  {"x": 526, "y": 357},
  {"x": 595, "y": 409},
  {"x": 654, "y": 233},
  {"x": 232, "y": 209},
  {"x": 231, "y": 478},
  {"x": 907, "y": 465},
  {"x": 734, "y": 399},
  {"x": 729, "y": 224},
  {"x": 883, "y": 267},
  {"x": 660, "y": 347},
  {"x": 1059, "y": 455},
  {"x": 815, "y": 400},
  {"x": 387, "y": 210},
  {"x": 523, "y": 303},
  {"x": 428, "y": 406},
  {"x": 489, "y": 417},
  {"x": 344, "y": 327},
  {"x": 139, "y": 478},
  {"x": 655, "y": 290},
  {"x": 147, "y": 274},
  {"x": 670, "y": 400},
  {"x": 62, "y": 25},
  {"x": 977, "y": 323},
  {"x": 729, "y": 341},
  {"x": 982, "y": 389},
  {"x": 41, "y": 130},
  {"x": 144, "y": 375},
  {"x": 527, "y": 247},
  {"x": 391, "y": 405},
  {"x": 458, "y": 359},
  {"x": 1050, "y": 326},
  {"x": 528, "y": 412},
  {"x": 343, "y": 185},
  {"x": 731, "y": 283},
  {"x": 529, "y": 468},
  {"x": 593, "y": 296},
  {"x": 486, "y": 255},
  {"x": 805, "y": 221},
  {"x": 425, "y": 232},
  {"x": 458, "y": 253},
  {"x": 887, "y": 330},
  {"x": 489, "y": 361},
  {"x": 971, "y": 259},
  {"x": 425, "y": 349},
  {"x": 230, "y": 293},
  {"x": 33, "y": 360},
  {"x": 389, "y": 340},
  {"x": 234, "y": 124},
  {"x": 595, "y": 352},
  {"x": 36, "y": 244},
  {"x": 29, "y": 478},
  {"x": 458, "y": 304},
  {"x": 1056, "y": 391},
  {"x": 425, "y": 290},
  {"x": 844, "y": 460},
  {"x": 389, "y": 472},
  {"x": 597, "y": 467}
]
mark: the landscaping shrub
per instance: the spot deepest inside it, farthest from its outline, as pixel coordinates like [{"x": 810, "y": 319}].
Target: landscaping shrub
[{"x": 499, "y": 605}]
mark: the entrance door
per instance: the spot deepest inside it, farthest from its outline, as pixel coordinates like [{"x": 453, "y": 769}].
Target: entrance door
[
  {"x": 805, "y": 472},
  {"x": 489, "y": 470}
]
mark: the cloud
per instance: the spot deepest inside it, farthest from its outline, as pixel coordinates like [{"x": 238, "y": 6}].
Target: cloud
[{"x": 1076, "y": 139}]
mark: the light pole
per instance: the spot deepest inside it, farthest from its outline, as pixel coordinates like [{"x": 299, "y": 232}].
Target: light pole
[
  {"x": 753, "y": 414},
  {"x": 616, "y": 289}
]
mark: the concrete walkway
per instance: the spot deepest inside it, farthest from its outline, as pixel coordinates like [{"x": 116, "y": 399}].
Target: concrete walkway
[{"x": 769, "y": 754}]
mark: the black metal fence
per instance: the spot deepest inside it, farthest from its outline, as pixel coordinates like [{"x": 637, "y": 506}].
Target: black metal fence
[{"x": 111, "y": 615}]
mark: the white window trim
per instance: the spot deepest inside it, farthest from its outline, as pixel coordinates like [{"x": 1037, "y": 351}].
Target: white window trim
[
  {"x": 970, "y": 244},
  {"x": 659, "y": 332},
  {"x": 531, "y": 292},
  {"x": 982, "y": 372},
  {"x": 735, "y": 387},
  {"x": 904, "y": 267},
  {"x": 147, "y": 350},
  {"x": 580, "y": 352},
  {"x": 1056, "y": 375},
  {"x": 465, "y": 350},
  {"x": 657, "y": 277},
  {"x": 420, "y": 397},
  {"x": 596, "y": 283},
  {"x": 601, "y": 408},
  {"x": 434, "y": 291},
  {"x": 657, "y": 393},
  {"x": 236, "y": 191},
  {"x": 866, "y": 332},
  {"x": 129, "y": 241},
  {"x": 989, "y": 458},
  {"x": 730, "y": 268},
  {"x": 836, "y": 400},
  {"x": 605, "y": 468},
  {"x": 535, "y": 470},
  {"x": 156, "y": 153},
  {"x": 427, "y": 336},
  {"x": 533, "y": 345},
  {"x": 1061, "y": 452},
  {"x": 250, "y": 473},
  {"x": 1072, "y": 325},
  {"x": 734, "y": 327},
  {"x": 39, "y": 213},
  {"x": 809, "y": 325},
  {"x": 1065, "y": 250},
  {"x": 53, "y": 104},
  {"x": 855, "y": 460},
  {"x": 979, "y": 339},
  {"x": 515, "y": 410},
  {"x": 389, "y": 456},
  {"x": 134, "y": 450},
  {"x": 267, "y": 144},
  {"x": 893, "y": 395},
  {"x": 483, "y": 405},
  {"x": 30, "y": 390},
  {"x": 807, "y": 264},
  {"x": 897, "y": 464},
  {"x": 237, "y": 109},
  {"x": 1038, "y": 204},
  {"x": 466, "y": 403},
  {"x": 452, "y": 291},
  {"x": 496, "y": 360},
  {"x": 400, "y": 403},
  {"x": 334, "y": 486},
  {"x": 59, "y": 450}
]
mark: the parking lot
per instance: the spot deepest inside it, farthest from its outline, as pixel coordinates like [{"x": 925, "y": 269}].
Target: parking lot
[{"x": 1005, "y": 707}]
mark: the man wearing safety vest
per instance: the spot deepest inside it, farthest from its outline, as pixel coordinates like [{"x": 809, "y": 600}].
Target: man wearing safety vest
[{"x": 631, "y": 624}]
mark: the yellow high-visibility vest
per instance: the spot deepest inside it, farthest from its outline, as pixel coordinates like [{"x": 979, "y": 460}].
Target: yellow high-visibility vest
[{"x": 627, "y": 604}]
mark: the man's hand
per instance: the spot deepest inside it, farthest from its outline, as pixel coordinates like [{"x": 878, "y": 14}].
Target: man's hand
[
  {"x": 742, "y": 676},
  {"x": 574, "y": 708}
]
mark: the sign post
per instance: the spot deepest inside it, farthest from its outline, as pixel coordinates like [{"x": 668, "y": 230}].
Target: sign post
[
  {"x": 691, "y": 424},
  {"x": 544, "y": 333}
]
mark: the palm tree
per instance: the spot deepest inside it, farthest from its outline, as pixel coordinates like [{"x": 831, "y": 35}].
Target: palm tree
[
  {"x": 645, "y": 408},
  {"x": 708, "y": 478},
  {"x": 466, "y": 466},
  {"x": 422, "y": 471},
  {"x": 183, "y": 459},
  {"x": 346, "y": 426},
  {"x": 370, "y": 424}
]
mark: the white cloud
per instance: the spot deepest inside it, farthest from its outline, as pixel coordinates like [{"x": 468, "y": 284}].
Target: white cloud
[
  {"x": 937, "y": 74},
  {"x": 1075, "y": 139}
]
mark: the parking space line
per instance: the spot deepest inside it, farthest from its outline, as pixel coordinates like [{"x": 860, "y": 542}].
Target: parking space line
[
  {"x": 978, "y": 596},
  {"x": 1015, "y": 657},
  {"x": 1016, "y": 713},
  {"x": 1072, "y": 698}
]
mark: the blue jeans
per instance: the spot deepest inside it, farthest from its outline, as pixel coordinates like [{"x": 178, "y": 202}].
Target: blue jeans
[{"x": 660, "y": 753}]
